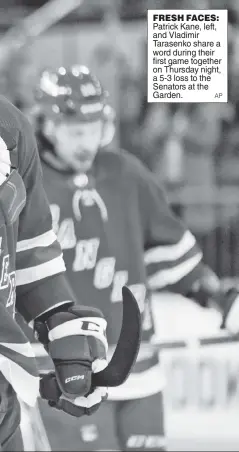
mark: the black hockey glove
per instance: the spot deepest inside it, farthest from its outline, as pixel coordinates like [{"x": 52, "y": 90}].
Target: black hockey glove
[
  {"x": 209, "y": 291},
  {"x": 228, "y": 302},
  {"x": 205, "y": 288},
  {"x": 76, "y": 341}
]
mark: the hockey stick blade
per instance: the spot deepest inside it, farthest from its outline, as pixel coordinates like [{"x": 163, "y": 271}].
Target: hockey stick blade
[{"x": 127, "y": 348}]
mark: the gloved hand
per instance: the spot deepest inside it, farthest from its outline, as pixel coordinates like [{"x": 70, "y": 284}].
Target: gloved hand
[
  {"x": 229, "y": 301},
  {"x": 206, "y": 287},
  {"x": 209, "y": 291},
  {"x": 76, "y": 341}
]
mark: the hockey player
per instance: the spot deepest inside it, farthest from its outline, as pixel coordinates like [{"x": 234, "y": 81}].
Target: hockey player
[
  {"x": 115, "y": 227},
  {"x": 31, "y": 266}
]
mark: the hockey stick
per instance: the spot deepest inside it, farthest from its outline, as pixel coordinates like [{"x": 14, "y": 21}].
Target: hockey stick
[
  {"x": 127, "y": 348},
  {"x": 34, "y": 25},
  {"x": 122, "y": 360}
]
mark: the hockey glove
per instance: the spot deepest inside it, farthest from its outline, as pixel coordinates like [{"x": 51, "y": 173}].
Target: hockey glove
[
  {"x": 205, "y": 288},
  {"x": 228, "y": 301},
  {"x": 209, "y": 291},
  {"x": 75, "y": 339}
]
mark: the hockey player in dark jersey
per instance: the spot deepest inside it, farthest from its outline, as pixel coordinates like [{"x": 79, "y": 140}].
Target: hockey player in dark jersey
[
  {"x": 115, "y": 228},
  {"x": 32, "y": 281}
]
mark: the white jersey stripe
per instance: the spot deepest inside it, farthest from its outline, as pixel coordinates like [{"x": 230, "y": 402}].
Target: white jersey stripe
[
  {"x": 163, "y": 278},
  {"x": 23, "y": 349},
  {"x": 25, "y": 384},
  {"x": 41, "y": 271},
  {"x": 170, "y": 252},
  {"x": 43, "y": 240}
]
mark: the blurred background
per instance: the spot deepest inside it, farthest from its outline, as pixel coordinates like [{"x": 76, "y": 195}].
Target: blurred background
[{"x": 192, "y": 148}]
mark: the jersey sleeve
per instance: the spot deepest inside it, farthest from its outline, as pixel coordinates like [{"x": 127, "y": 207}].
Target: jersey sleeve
[
  {"x": 40, "y": 280},
  {"x": 172, "y": 256}
]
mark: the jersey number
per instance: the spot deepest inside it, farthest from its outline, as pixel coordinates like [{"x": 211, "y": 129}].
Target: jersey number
[{"x": 86, "y": 252}]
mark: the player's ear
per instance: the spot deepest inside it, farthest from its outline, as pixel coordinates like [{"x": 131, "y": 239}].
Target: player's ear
[
  {"x": 108, "y": 133},
  {"x": 49, "y": 129}
]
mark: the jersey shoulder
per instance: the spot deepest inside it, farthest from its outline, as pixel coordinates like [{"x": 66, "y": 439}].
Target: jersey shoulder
[
  {"x": 124, "y": 163},
  {"x": 135, "y": 175},
  {"x": 16, "y": 133}
]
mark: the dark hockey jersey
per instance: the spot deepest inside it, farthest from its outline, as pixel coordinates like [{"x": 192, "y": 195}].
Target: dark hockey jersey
[
  {"x": 31, "y": 263},
  {"x": 116, "y": 228}
]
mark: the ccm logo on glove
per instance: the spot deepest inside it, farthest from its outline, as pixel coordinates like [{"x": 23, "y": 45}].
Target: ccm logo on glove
[{"x": 75, "y": 377}]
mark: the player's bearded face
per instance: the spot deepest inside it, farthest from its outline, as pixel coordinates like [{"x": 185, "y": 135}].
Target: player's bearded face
[{"x": 77, "y": 143}]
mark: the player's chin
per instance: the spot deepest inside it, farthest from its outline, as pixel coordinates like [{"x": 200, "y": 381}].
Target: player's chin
[{"x": 82, "y": 166}]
